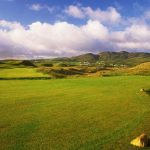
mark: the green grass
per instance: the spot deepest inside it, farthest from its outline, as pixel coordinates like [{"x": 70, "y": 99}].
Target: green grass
[
  {"x": 20, "y": 72},
  {"x": 73, "y": 114}
]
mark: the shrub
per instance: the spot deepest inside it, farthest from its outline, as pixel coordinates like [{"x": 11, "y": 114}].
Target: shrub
[
  {"x": 27, "y": 63},
  {"x": 48, "y": 65},
  {"x": 62, "y": 65}
]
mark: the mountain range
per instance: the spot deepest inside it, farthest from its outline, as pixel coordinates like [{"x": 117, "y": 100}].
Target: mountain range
[{"x": 108, "y": 57}]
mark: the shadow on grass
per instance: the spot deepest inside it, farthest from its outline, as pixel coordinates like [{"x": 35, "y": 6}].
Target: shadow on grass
[
  {"x": 148, "y": 145},
  {"x": 147, "y": 92},
  {"x": 26, "y": 78}
]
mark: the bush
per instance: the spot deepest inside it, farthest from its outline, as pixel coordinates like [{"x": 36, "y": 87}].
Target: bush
[
  {"x": 61, "y": 72},
  {"x": 57, "y": 75},
  {"x": 62, "y": 65},
  {"x": 48, "y": 65},
  {"x": 27, "y": 63}
]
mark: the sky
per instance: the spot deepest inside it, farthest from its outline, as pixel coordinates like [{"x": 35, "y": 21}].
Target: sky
[{"x": 32, "y": 29}]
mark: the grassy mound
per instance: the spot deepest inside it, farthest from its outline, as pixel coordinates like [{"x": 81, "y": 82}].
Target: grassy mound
[{"x": 142, "y": 69}]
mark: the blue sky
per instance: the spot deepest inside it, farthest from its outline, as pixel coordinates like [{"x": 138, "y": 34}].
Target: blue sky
[
  {"x": 18, "y": 9},
  {"x": 55, "y": 28}
]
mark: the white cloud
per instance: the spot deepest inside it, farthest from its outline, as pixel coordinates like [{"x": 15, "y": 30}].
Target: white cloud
[
  {"x": 10, "y": 25},
  {"x": 74, "y": 11},
  {"x": 95, "y": 30},
  {"x": 61, "y": 38},
  {"x": 65, "y": 39},
  {"x": 135, "y": 37},
  {"x": 110, "y": 15},
  {"x": 38, "y": 7}
]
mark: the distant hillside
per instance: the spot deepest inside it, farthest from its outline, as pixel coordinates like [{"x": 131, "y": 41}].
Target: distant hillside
[
  {"x": 86, "y": 57},
  {"x": 108, "y": 58},
  {"x": 62, "y": 59},
  {"x": 123, "y": 57}
]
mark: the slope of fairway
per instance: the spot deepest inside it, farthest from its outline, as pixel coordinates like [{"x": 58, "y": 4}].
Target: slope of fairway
[
  {"x": 20, "y": 72},
  {"x": 73, "y": 114},
  {"x": 142, "y": 69}
]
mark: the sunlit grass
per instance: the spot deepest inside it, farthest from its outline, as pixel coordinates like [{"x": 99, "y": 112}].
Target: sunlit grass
[
  {"x": 73, "y": 114},
  {"x": 20, "y": 72}
]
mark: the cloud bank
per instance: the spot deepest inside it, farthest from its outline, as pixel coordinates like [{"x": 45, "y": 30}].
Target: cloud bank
[{"x": 65, "y": 39}]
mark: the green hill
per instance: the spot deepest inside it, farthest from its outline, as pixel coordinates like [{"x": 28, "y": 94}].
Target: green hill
[
  {"x": 89, "y": 57},
  {"x": 123, "y": 57},
  {"x": 108, "y": 58}
]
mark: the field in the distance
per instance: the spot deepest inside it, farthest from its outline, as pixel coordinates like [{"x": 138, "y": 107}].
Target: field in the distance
[
  {"x": 20, "y": 72},
  {"x": 73, "y": 114}
]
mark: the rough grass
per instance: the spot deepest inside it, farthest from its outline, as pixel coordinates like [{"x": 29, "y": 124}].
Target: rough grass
[
  {"x": 73, "y": 114},
  {"x": 143, "y": 68}
]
